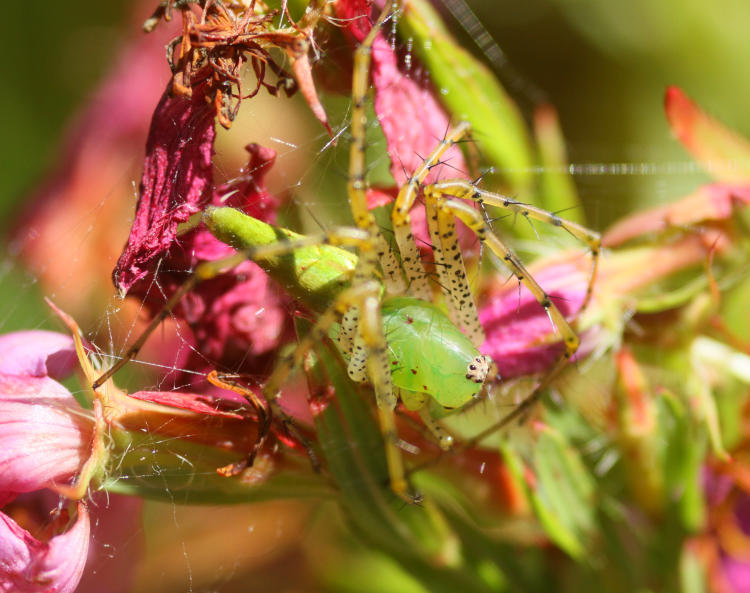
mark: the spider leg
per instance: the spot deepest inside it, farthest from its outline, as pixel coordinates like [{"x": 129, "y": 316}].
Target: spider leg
[
  {"x": 415, "y": 273},
  {"x": 451, "y": 271},
  {"x": 473, "y": 219},
  {"x": 462, "y": 189},
  {"x": 365, "y": 297},
  {"x": 363, "y": 218}
]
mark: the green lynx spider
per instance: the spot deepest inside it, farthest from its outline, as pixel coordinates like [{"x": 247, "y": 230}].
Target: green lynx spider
[{"x": 368, "y": 309}]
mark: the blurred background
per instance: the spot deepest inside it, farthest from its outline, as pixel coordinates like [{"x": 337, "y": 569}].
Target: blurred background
[{"x": 603, "y": 65}]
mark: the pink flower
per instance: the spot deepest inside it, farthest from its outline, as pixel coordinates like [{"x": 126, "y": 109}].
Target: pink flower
[
  {"x": 44, "y": 434},
  {"x": 520, "y": 336},
  {"x": 45, "y": 439},
  {"x": 237, "y": 312},
  {"x": 37, "y": 353},
  {"x": 31, "y": 565},
  {"x": 725, "y": 544}
]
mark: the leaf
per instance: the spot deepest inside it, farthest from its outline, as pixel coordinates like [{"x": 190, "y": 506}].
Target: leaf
[
  {"x": 563, "y": 496},
  {"x": 471, "y": 93}
]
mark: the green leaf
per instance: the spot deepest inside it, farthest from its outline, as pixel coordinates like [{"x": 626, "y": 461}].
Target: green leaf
[
  {"x": 683, "y": 456},
  {"x": 416, "y": 536},
  {"x": 471, "y": 93},
  {"x": 563, "y": 497}
]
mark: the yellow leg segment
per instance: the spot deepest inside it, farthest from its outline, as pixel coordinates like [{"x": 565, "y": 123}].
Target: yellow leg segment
[
  {"x": 415, "y": 272},
  {"x": 461, "y": 189}
]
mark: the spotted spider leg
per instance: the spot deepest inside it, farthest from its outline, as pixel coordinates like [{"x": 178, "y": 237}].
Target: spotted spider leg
[{"x": 462, "y": 189}]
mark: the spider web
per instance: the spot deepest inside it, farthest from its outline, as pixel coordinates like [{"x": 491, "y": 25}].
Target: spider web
[{"x": 617, "y": 166}]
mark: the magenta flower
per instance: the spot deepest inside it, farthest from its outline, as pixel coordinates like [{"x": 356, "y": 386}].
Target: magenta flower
[
  {"x": 519, "y": 334},
  {"x": 45, "y": 435},
  {"x": 725, "y": 545},
  {"x": 37, "y": 353}
]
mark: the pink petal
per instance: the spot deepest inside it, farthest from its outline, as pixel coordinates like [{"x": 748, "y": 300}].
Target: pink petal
[
  {"x": 712, "y": 202},
  {"x": 194, "y": 402},
  {"x": 176, "y": 181},
  {"x": 28, "y": 565},
  {"x": 724, "y": 152},
  {"x": 412, "y": 119},
  {"x": 737, "y": 573},
  {"x": 303, "y": 75},
  {"x": 37, "y": 353},
  {"x": 248, "y": 192},
  {"x": 44, "y": 434},
  {"x": 517, "y": 328}
]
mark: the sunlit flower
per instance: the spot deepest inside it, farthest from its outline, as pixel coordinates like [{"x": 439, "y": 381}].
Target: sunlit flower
[
  {"x": 45, "y": 439},
  {"x": 44, "y": 433},
  {"x": 412, "y": 119}
]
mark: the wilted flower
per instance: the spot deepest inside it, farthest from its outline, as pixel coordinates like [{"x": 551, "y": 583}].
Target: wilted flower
[{"x": 237, "y": 311}]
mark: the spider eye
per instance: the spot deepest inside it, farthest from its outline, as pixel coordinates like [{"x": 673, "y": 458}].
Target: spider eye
[{"x": 473, "y": 367}]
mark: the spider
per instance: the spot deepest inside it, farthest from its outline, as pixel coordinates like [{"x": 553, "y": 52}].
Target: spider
[{"x": 391, "y": 333}]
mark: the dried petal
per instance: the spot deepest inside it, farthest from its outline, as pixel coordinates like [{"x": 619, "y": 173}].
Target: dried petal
[
  {"x": 240, "y": 314},
  {"x": 303, "y": 75},
  {"x": 176, "y": 182}
]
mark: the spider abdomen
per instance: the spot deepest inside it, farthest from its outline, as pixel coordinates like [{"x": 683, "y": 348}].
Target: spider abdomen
[{"x": 429, "y": 354}]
